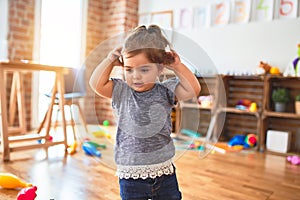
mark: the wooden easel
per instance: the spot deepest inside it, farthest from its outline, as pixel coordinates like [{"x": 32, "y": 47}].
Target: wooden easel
[{"x": 17, "y": 98}]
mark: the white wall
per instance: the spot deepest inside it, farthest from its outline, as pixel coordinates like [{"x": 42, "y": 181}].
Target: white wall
[
  {"x": 238, "y": 47},
  {"x": 3, "y": 28}
]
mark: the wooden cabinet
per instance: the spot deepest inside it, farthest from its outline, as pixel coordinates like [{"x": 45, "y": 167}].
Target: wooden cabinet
[
  {"x": 193, "y": 116},
  {"x": 287, "y": 121},
  {"x": 227, "y": 91},
  {"x": 240, "y": 90}
]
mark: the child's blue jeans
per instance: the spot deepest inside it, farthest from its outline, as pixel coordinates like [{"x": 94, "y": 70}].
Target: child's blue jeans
[{"x": 160, "y": 188}]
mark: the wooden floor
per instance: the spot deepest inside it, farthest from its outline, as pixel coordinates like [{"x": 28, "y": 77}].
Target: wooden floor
[{"x": 246, "y": 176}]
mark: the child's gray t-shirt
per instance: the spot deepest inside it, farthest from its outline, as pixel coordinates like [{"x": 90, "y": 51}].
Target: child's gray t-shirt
[{"x": 144, "y": 123}]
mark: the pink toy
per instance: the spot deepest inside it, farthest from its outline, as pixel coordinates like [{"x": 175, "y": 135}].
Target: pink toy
[
  {"x": 295, "y": 160},
  {"x": 27, "y": 193}
]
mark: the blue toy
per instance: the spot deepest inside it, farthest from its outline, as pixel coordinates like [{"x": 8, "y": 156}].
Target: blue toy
[
  {"x": 246, "y": 141},
  {"x": 90, "y": 149},
  {"x": 237, "y": 140}
]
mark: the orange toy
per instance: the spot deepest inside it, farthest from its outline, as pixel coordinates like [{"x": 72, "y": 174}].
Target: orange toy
[
  {"x": 269, "y": 69},
  {"x": 10, "y": 181}
]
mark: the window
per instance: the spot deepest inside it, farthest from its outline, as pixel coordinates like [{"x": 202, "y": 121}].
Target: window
[{"x": 59, "y": 41}]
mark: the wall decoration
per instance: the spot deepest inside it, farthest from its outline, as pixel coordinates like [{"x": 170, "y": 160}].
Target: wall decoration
[
  {"x": 202, "y": 17},
  {"x": 288, "y": 9},
  {"x": 221, "y": 13},
  {"x": 241, "y": 11},
  {"x": 163, "y": 19},
  {"x": 183, "y": 18},
  {"x": 263, "y": 10}
]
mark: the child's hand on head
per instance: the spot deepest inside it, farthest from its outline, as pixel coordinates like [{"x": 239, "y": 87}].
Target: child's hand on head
[
  {"x": 172, "y": 60},
  {"x": 114, "y": 56}
]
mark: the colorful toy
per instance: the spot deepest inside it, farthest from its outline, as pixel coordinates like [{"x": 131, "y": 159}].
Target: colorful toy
[
  {"x": 295, "y": 160},
  {"x": 296, "y": 62},
  {"x": 27, "y": 193},
  {"x": 72, "y": 148},
  {"x": 246, "y": 104},
  {"x": 268, "y": 69},
  {"x": 50, "y": 138},
  {"x": 103, "y": 146},
  {"x": 90, "y": 149},
  {"x": 11, "y": 181},
  {"x": 101, "y": 133},
  {"x": 246, "y": 141},
  {"x": 250, "y": 140}
]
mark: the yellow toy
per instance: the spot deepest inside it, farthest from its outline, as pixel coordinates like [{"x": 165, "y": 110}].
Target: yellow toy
[
  {"x": 101, "y": 133},
  {"x": 72, "y": 148},
  {"x": 10, "y": 181},
  {"x": 253, "y": 107}
]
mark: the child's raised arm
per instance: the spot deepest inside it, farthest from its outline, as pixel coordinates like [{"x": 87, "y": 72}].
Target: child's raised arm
[
  {"x": 188, "y": 86},
  {"x": 99, "y": 81}
]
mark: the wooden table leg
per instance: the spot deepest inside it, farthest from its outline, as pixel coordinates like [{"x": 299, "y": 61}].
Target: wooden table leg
[
  {"x": 61, "y": 92},
  {"x": 3, "y": 121},
  {"x": 17, "y": 96}
]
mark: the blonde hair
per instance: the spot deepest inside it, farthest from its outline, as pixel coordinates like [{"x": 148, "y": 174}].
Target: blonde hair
[{"x": 150, "y": 41}]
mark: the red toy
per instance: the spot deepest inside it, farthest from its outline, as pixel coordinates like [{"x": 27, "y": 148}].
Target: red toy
[
  {"x": 27, "y": 193},
  {"x": 295, "y": 160}
]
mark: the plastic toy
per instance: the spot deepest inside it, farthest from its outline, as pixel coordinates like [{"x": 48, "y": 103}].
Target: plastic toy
[
  {"x": 253, "y": 107},
  {"x": 295, "y": 160},
  {"x": 191, "y": 133},
  {"x": 237, "y": 140},
  {"x": 11, "y": 181},
  {"x": 105, "y": 123},
  {"x": 72, "y": 148},
  {"x": 246, "y": 104},
  {"x": 50, "y": 138},
  {"x": 27, "y": 193},
  {"x": 103, "y": 146},
  {"x": 90, "y": 149},
  {"x": 268, "y": 69},
  {"x": 101, "y": 133},
  {"x": 296, "y": 63},
  {"x": 246, "y": 141},
  {"x": 250, "y": 140}
]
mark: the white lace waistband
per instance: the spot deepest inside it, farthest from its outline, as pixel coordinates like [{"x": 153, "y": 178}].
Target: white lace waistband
[{"x": 145, "y": 171}]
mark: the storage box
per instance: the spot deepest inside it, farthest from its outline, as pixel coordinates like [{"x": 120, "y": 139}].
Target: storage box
[{"x": 278, "y": 141}]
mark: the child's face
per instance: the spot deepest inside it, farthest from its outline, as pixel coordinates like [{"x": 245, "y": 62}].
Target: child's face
[{"x": 140, "y": 74}]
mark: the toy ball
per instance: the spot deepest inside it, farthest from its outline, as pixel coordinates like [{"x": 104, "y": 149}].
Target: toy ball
[
  {"x": 295, "y": 160},
  {"x": 105, "y": 123},
  {"x": 251, "y": 140}
]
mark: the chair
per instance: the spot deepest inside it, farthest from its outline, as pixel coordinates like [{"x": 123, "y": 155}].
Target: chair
[{"x": 75, "y": 89}]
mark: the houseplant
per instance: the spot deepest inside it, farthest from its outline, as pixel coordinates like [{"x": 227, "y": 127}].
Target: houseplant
[
  {"x": 297, "y": 104},
  {"x": 280, "y": 97}
]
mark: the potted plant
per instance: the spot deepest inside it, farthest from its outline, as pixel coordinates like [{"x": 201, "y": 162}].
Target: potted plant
[
  {"x": 297, "y": 104},
  {"x": 281, "y": 96}
]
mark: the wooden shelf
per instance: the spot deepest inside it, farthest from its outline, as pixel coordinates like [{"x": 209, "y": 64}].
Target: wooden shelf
[
  {"x": 281, "y": 114},
  {"x": 193, "y": 105},
  {"x": 238, "y": 111},
  {"x": 227, "y": 91}
]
